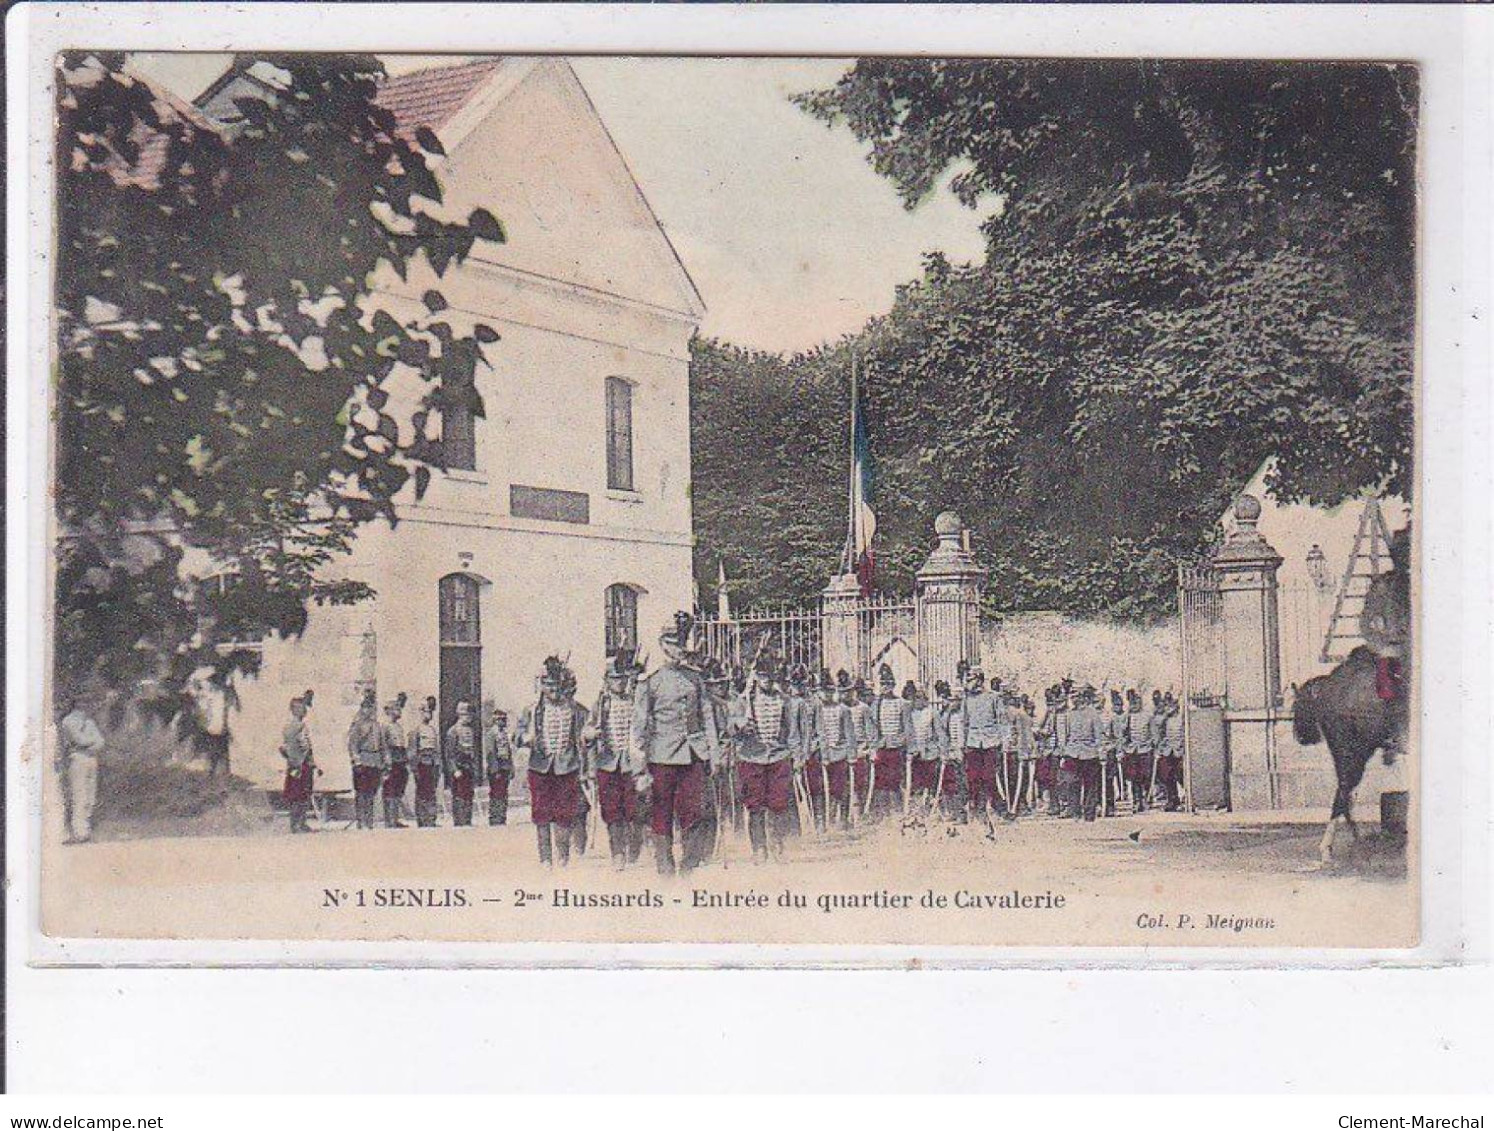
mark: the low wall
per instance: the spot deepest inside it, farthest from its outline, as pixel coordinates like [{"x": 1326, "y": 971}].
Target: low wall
[{"x": 1035, "y": 650}]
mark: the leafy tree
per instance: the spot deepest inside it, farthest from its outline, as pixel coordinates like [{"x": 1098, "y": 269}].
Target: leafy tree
[
  {"x": 1194, "y": 267},
  {"x": 223, "y": 378}
]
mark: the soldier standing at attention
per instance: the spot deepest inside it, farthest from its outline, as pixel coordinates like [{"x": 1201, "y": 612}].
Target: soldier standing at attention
[
  {"x": 366, "y": 753},
  {"x": 1086, "y": 734},
  {"x": 954, "y": 791},
  {"x": 867, "y": 741},
  {"x": 765, "y": 760},
  {"x": 720, "y": 792},
  {"x": 674, "y": 742},
  {"x": 983, "y": 716},
  {"x": 1170, "y": 753},
  {"x": 803, "y": 714},
  {"x": 836, "y": 730},
  {"x": 460, "y": 756},
  {"x": 300, "y": 765},
  {"x": 894, "y": 722},
  {"x": 1114, "y": 745},
  {"x": 1053, "y": 738},
  {"x": 924, "y": 746},
  {"x": 557, "y": 759},
  {"x": 396, "y": 761},
  {"x": 1140, "y": 747},
  {"x": 498, "y": 762},
  {"x": 425, "y": 761},
  {"x": 80, "y": 744},
  {"x": 1026, "y": 750},
  {"x": 610, "y": 730}
]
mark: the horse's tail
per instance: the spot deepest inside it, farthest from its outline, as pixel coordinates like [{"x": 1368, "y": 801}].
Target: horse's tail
[{"x": 1305, "y": 726}]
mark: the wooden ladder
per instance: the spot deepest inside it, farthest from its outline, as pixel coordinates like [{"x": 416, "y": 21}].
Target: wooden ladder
[{"x": 1369, "y": 559}]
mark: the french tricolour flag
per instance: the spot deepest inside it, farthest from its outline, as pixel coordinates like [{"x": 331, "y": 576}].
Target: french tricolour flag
[{"x": 863, "y": 519}]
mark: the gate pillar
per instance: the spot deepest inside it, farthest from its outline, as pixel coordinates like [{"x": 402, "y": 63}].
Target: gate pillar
[
  {"x": 840, "y": 625},
  {"x": 1246, "y": 567},
  {"x": 946, "y": 593}
]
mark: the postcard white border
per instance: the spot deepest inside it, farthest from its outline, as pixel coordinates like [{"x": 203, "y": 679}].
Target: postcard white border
[{"x": 1452, "y": 507}]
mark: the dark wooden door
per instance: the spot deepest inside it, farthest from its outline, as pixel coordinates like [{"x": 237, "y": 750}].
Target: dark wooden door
[{"x": 461, "y": 647}]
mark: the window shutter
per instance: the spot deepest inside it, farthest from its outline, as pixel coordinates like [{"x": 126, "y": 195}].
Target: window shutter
[{"x": 619, "y": 434}]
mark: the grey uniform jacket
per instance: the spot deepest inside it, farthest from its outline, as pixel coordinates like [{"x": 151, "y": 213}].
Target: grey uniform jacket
[
  {"x": 674, "y": 723},
  {"x": 570, "y": 756},
  {"x": 894, "y": 722},
  {"x": 760, "y": 737}
]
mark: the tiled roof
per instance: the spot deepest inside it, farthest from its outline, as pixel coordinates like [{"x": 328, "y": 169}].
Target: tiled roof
[{"x": 433, "y": 96}]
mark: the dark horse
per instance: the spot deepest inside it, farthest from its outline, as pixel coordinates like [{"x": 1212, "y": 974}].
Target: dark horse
[{"x": 1344, "y": 709}]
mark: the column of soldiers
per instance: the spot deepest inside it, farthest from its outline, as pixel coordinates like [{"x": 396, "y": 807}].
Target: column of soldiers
[{"x": 678, "y": 754}]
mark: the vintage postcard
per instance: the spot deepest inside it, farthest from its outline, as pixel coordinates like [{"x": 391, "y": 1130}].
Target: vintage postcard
[{"x": 920, "y": 502}]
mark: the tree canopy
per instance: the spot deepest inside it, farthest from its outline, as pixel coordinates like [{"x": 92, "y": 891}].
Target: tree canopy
[
  {"x": 1193, "y": 268},
  {"x": 222, "y": 376}
]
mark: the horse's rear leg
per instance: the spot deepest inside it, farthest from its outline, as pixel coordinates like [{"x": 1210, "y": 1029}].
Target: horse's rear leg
[{"x": 1348, "y": 769}]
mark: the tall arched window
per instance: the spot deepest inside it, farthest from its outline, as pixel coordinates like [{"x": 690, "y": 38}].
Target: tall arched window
[
  {"x": 622, "y": 617},
  {"x": 619, "y": 434}
]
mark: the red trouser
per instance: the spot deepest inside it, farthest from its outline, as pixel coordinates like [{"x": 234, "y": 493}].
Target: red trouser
[
  {"x": 426, "y": 776},
  {"x": 617, "y": 796},
  {"x": 887, "y": 768},
  {"x": 678, "y": 794},
  {"x": 366, "y": 781},
  {"x": 298, "y": 783},
  {"x": 394, "y": 781},
  {"x": 1169, "y": 769},
  {"x": 925, "y": 774},
  {"x": 554, "y": 798},
  {"x": 839, "y": 777},
  {"x": 861, "y": 776},
  {"x": 462, "y": 785},
  {"x": 980, "y": 775},
  {"x": 814, "y": 778},
  {"x": 1138, "y": 767},
  {"x": 767, "y": 785}
]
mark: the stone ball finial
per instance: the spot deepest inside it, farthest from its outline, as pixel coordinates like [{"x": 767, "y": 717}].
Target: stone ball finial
[
  {"x": 948, "y": 524},
  {"x": 1247, "y": 509}
]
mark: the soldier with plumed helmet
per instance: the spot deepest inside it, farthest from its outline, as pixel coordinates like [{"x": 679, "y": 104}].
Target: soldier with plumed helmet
[
  {"x": 552, "y": 730},
  {"x": 765, "y": 760},
  {"x": 610, "y": 732}
]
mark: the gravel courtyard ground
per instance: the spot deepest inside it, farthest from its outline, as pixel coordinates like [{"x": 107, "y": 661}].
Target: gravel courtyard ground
[{"x": 1158, "y": 880}]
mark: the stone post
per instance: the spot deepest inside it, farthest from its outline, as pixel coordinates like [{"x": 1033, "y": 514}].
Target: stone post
[
  {"x": 1246, "y": 567},
  {"x": 947, "y": 595},
  {"x": 840, "y": 625}
]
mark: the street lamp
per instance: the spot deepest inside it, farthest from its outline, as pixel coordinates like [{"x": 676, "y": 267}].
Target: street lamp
[{"x": 1317, "y": 568}]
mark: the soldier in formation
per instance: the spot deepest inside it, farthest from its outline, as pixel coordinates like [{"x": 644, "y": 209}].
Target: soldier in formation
[
  {"x": 552, "y": 731},
  {"x": 610, "y": 733},
  {"x": 498, "y": 762}
]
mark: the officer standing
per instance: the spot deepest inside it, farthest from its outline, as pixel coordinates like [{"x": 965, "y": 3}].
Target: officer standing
[{"x": 674, "y": 741}]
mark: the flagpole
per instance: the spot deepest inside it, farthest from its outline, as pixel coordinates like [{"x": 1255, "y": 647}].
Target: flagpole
[{"x": 848, "y": 555}]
